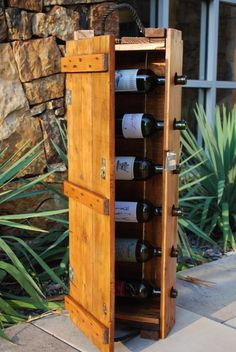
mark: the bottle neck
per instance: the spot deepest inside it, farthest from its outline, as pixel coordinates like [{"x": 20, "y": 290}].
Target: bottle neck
[
  {"x": 156, "y": 292},
  {"x": 180, "y": 125},
  {"x": 180, "y": 79},
  {"x": 177, "y": 171},
  {"x": 160, "y": 80},
  {"x": 158, "y": 169},
  {"x": 157, "y": 252},
  {"x": 157, "y": 211},
  {"x": 159, "y": 125},
  {"x": 177, "y": 211}
]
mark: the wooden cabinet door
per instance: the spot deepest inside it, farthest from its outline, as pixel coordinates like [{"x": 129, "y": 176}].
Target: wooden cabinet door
[{"x": 89, "y": 64}]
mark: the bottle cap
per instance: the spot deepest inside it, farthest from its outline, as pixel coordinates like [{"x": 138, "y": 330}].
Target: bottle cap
[
  {"x": 180, "y": 125},
  {"x": 156, "y": 292},
  {"x": 180, "y": 79},
  {"x": 173, "y": 293},
  {"x": 157, "y": 211},
  {"x": 177, "y": 211},
  {"x": 174, "y": 252},
  {"x": 177, "y": 171},
  {"x": 159, "y": 125},
  {"x": 157, "y": 252},
  {"x": 158, "y": 169},
  {"x": 160, "y": 80}
]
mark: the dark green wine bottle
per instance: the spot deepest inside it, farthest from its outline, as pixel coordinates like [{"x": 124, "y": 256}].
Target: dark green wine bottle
[
  {"x": 142, "y": 211},
  {"x": 135, "y": 168},
  {"x": 137, "y": 125},
  {"x": 136, "y": 289},
  {"x": 141, "y": 125},
  {"x": 137, "y": 80},
  {"x": 133, "y": 250}
]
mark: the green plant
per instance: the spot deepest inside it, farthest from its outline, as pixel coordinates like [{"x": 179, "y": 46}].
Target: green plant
[
  {"x": 22, "y": 262},
  {"x": 208, "y": 181}
]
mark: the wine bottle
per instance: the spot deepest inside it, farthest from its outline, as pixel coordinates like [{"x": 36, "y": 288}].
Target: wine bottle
[
  {"x": 135, "y": 168},
  {"x": 133, "y": 250},
  {"x": 137, "y": 80},
  {"x": 141, "y": 211},
  {"x": 141, "y": 125},
  {"x": 137, "y": 125},
  {"x": 135, "y": 289}
]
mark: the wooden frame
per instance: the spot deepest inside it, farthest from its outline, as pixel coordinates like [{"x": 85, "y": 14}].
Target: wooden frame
[{"x": 92, "y": 189}]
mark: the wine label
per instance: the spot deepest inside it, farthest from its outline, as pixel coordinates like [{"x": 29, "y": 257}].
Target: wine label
[
  {"x": 124, "y": 167},
  {"x": 126, "y": 211},
  {"x": 125, "y": 80},
  {"x": 120, "y": 288},
  {"x": 132, "y": 125},
  {"x": 126, "y": 250}
]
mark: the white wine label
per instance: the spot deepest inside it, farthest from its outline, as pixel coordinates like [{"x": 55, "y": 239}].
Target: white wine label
[
  {"x": 124, "y": 167},
  {"x": 126, "y": 80},
  {"x": 126, "y": 250},
  {"x": 132, "y": 125},
  {"x": 126, "y": 211}
]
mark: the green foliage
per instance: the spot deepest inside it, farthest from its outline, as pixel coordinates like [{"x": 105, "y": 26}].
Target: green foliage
[
  {"x": 208, "y": 182},
  {"x": 24, "y": 264}
]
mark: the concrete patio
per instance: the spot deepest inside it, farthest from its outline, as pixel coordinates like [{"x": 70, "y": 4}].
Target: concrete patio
[{"x": 205, "y": 320}]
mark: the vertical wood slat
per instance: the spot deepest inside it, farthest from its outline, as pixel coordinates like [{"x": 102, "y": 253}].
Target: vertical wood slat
[
  {"x": 174, "y": 57},
  {"x": 91, "y": 142}
]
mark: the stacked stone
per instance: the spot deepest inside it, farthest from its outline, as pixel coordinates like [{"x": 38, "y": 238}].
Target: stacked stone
[{"x": 32, "y": 89}]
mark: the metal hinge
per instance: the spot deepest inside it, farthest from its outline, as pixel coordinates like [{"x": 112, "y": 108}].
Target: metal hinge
[
  {"x": 71, "y": 273},
  {"x": 104, "y": 309},
  {"x": 106, "y": 337},
  {"x": 68, "y": 97},
  {"x": 170, "y": 161},
  {"x": 103, "y": 169}
]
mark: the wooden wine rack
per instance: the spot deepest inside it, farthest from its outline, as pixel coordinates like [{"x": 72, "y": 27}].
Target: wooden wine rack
[{"x": 91, "y": 187}]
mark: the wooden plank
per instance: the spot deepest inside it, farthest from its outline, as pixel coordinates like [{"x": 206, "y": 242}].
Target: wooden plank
[
  {"x": 159, "y": 68},
  {"x": 158, "y": 40},
  {"x": 136, "y": 318},
  {"x": 84, "y": 63},
  {"x": 87, "y": 322},
  {"x": 150, "y": 334},
  {"x": 91, "y": 140},
  {"x": 83, "y": 33},
  {"x": 134, "y": 40},
  {"x": 146, "y": 312},
  {"x": 155, "y": 32},
  {"x": 86, "y": 197},
  {"x": 174, "y": 57},
  {"x": 140, "y": 47}
]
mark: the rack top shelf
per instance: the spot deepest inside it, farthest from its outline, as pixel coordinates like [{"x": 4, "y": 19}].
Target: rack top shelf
[{"x": 138, "y": 47}]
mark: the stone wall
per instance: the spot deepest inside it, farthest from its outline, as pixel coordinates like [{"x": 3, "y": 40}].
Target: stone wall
[{"x": 32, "y": 89}]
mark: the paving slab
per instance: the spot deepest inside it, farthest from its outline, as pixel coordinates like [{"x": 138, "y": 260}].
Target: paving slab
[
  {"x": 205, "y": 320},
  {"x": 231, "y": 323},
  {"x": 191, "y": 331},
  {"x": 29, "y": 338},
  {"x": 62, "y": 327},
  {"x": 217, "y": 302}
]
